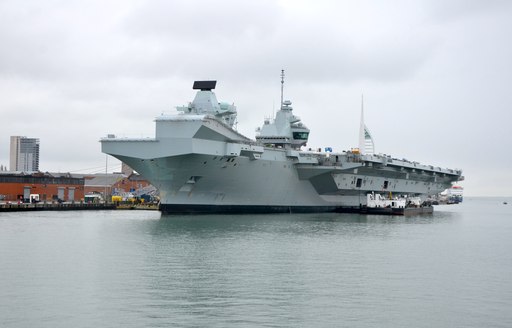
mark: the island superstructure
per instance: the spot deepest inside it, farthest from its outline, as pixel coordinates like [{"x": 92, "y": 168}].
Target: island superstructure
[{"x": 201, "y": 164}]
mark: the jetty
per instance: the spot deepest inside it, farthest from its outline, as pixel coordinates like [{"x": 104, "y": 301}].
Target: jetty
[{"x": 55, "y": 206}]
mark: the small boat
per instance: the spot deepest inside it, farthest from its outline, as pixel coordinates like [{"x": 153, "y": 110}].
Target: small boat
[{"x": 378, "y": 204}]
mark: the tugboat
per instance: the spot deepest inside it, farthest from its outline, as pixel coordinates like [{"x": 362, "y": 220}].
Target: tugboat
[{"x": 378, "y": 204}]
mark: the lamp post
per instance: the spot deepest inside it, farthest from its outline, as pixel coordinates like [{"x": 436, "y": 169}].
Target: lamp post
[{"x": 106, "y": 165}]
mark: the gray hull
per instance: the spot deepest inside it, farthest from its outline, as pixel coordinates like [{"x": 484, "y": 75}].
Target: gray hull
[{"x": 203, "y": 166}]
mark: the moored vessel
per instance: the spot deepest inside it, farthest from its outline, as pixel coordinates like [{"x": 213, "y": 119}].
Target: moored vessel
[{"x": 201, "y": 164}]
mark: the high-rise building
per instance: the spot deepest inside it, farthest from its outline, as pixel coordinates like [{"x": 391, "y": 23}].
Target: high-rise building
[{"x": 24, "y": 154}]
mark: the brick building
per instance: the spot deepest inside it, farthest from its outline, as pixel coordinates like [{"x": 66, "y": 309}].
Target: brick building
[
  {"x": 50, "y": 187},
  {"x": 16, "y": 186},
  {"x": 113, "y": 183},
  {"x": 130, "y": 183}
]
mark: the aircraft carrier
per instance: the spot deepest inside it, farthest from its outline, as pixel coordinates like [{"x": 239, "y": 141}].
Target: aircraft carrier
[{"x": 201, "y": 164}]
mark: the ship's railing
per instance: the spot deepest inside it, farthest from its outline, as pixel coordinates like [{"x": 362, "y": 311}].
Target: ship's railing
[
  {"x": 325, "y": 159},
  {"x": 388, "y": 160},
  {"x": 128, "y": 139}
]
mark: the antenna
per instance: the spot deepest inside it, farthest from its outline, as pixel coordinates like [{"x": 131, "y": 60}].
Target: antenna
[{"x": 282, "y": 86}]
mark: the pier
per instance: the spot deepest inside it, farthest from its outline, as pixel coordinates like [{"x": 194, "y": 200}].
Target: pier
[{"x": 74, "y": 206}]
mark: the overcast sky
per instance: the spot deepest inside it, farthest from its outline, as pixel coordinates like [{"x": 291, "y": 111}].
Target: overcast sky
[{"x": 436, "y": 75}]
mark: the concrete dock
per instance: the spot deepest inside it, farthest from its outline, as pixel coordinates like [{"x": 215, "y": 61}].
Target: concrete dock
[{"x": 22, "y": 207}]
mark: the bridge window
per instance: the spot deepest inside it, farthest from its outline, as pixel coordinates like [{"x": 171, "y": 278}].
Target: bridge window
[{"x": 300, "y": 135}]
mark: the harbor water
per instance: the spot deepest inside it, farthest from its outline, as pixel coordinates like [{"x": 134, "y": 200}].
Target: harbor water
[{"x": 142, "y": 269}]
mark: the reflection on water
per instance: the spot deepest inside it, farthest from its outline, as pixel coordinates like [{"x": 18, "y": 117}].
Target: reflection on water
[
  {"x": 138, "y": 268},
  {"x": 282, "y": 269},
  {"x": 292, "y": 223}
]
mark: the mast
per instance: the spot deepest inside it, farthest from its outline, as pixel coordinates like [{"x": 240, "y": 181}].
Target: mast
[{"x": 282, "y": 87}]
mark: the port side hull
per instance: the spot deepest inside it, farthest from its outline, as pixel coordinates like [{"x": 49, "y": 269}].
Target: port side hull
[
  {"x": 197, "y": 183},
  {"x": 243, "y": 209},
  {"x": 170, "y": 209},
  {"x": 200, "y": 165}
]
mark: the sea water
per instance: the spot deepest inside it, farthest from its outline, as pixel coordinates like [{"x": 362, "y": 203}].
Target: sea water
[{"x": 143, "y": 269}]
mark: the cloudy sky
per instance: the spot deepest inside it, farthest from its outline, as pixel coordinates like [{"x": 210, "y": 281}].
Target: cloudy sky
[{"x": 436, "y": 75}]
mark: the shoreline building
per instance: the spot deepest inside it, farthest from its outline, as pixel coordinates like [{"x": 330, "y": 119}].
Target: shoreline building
[
  {"x": 46, "y": 186},
  {"x": 24, "y": 154}
]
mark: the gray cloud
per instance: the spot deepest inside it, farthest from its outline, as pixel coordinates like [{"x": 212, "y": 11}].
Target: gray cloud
[{"x": 435, "y": 75}]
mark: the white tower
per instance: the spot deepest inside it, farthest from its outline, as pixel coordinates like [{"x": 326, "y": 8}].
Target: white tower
[{"x": 366, "y": 145}]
